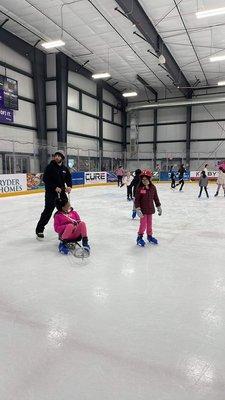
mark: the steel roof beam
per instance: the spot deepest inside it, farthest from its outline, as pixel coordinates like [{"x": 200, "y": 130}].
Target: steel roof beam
[
  {"x": 145, "y": 84},
  {"x": 137, "y": 16}
]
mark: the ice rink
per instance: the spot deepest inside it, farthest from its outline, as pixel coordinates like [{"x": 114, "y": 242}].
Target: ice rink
[{"x": 128, "y": 323}]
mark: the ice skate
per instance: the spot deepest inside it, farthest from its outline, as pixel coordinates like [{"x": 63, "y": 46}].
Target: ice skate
[
  {"x": 40, "y": 235},
  {"x": 151, "y": 239},
  {"x": 134, "y": 213},
  {"x": 63, "y": 248},
  {"x": 140, "y": 241}
]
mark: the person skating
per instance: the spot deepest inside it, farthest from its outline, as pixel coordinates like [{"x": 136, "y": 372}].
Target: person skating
[
  {"x": 57, "y": 179},
  {"x": 221, "y": 179},
  {"x": 181, "y": 172},
  {"x": 203, "y": 183},
  {"x": 172, "y": 177},
  {"x": 120, "y": 173},
  {"x": 127, "y": 179},
  {"x": 133, "y": 186},
  {"x": 68, "y": 225},
  {"x": 146, "y": 196}
]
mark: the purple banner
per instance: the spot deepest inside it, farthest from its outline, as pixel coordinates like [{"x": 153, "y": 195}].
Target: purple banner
[
  {"x": 1, "y": 98},
  {"x": 6, "y": 115}
]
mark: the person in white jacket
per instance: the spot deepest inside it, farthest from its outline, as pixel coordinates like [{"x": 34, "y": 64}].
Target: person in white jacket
[{"x": 127, "y": 179}]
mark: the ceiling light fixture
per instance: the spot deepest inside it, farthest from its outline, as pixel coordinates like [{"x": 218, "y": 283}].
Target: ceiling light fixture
[
  {"x": 221, "y": 83},
  {"x": 53, "y": 44},
  {"x": 210, "y": 13},
  {"x": 101, "y": 75},
  {"x": 129, "y": 94},
  {"x": 217, "y": 58}
]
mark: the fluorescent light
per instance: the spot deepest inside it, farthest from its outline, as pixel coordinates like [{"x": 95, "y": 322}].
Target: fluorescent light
[
  {"x": 54, "y": 43},
  {"x": 217, "y": 58},
  {"x": 101, "y": 75},
  {"x": 129, "y": 94},
  {"x": 210, "y": 13},
  {"x": 221, "y": 83}
]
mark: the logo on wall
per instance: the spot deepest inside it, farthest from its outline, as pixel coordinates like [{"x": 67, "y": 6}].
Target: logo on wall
[
  {"x": 13, "y": 183},
  {"x": 95, "y": 177},
  {"x": 6, "y": 115}
]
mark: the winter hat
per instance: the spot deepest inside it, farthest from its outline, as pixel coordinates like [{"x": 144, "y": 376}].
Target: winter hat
[
  {"x": 60, "y": 203},
  {"x": 60, "y": 153},
  {"x": 137, "y": 172},
  {"x": 146, "y": 172}
]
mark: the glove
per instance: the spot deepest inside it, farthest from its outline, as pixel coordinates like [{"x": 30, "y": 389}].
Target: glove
[
  {"x": 159, "y": 209},
  {"x": 68, "y": 189},
  {"x": 139, "y": 213}
]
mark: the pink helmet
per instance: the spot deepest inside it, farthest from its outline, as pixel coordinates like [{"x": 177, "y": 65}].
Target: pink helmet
[{"x": 147, "y": 172}]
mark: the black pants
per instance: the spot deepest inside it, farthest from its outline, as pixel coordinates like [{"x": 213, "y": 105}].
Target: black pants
[
  {"x": 206, "y": 191},
  {"x": 120, "y": 180},
  {"x": 173, "y": 183},
  {"x": 129, "y": 192},
  {"x": 181, "y": 182},
  {"x": 50, "y": 198}
]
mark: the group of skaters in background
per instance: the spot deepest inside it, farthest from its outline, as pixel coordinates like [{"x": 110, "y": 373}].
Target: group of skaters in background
[{"x": 145, "y": 198}]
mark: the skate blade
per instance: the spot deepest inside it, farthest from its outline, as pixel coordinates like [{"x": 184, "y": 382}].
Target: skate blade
[{"x": 40, "y": 239}]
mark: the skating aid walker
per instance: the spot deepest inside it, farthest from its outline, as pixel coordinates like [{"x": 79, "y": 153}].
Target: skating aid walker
[{"x": 74, "y": 248}]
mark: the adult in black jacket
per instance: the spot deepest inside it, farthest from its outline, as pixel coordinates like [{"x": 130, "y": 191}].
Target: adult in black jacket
[
  {"x": 134, "y": 184},
  {"x": 181, "y": 172},
  {"x": 57, "y": 179}
]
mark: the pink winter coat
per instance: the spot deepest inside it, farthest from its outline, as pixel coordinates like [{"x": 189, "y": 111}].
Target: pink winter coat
[
  {"x": 120, "y": 172},
  {"x": 61, "y": 219}
]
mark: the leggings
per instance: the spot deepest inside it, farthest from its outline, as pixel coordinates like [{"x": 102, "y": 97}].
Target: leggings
[
  {"x": 145, "y": 224},
  {"x": 219, "y": 186},
  {"x": 74, "y": 231},
  {"x": 129, "y": 192},
  {"x": 205, "y": 188},
  {"x": 181, "y": 181},
  {"x": 119, "y": 180},
  {"x": 173, "y": 183}
]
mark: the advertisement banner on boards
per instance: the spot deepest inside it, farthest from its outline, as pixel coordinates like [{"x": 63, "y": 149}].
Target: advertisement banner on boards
[
  {"x": 95, "y": 177},
  {"x": 111, "y": 177},
  {"x": 34, "y": 181},
  {"x": 78, "y": 178},
  {"x": 166, "y": 176},
  {"x": 12, "y": 183},
  {"x": 212, "y": 175}
]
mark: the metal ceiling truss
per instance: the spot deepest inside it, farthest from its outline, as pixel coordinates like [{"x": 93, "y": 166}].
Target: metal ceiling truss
[{"x": 137, "y": 16}]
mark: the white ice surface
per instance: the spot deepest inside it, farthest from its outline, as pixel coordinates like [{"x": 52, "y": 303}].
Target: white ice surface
[{"x": 129, "y": 323}]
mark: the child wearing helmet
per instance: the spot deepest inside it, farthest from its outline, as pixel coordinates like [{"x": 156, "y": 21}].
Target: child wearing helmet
[
  {"x": 68, "y": 225},
  {"x": 146, "y": 196}
]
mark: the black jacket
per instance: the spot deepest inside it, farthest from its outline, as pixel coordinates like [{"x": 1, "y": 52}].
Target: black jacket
[
  {"x": 56, "y": 175},
  {"x": 181, "y": 171},
  {"x": 134, "y": 184}
]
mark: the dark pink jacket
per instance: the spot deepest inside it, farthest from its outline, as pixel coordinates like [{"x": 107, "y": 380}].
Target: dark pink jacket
[
  {"x": 61, "y": 219},
  {"x": 145, "y": 199}
]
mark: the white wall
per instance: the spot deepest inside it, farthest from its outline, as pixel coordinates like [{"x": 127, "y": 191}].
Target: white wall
[
  {"x": 50, "y": 91},
  {"x": 18, "y": 139},
  {"x": 177, "y": 132},
  {"x": 171, "y": 132},
  {"x": 82, "y": 82},
  {"x": 82, "y": 123},
  {"x": 88, "y": 125},
  {"x": 112, "y": 132},
  {"x": 51, "y": 66}
]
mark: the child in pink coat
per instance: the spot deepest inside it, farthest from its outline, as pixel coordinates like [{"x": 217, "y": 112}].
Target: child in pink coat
[{"x": 68, "y": 225}]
